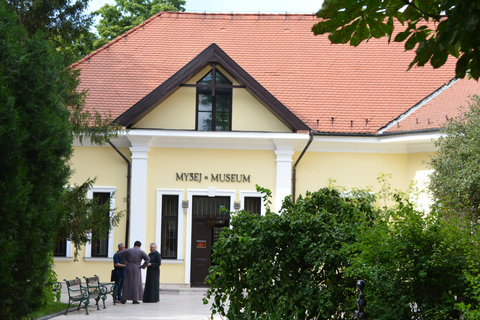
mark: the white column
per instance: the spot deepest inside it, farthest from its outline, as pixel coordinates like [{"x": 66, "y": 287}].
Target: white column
[
  {"x": 138, "y": 214},
  {"x": 284, "y": 176}
]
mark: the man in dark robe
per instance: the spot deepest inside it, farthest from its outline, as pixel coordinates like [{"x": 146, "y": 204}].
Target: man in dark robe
[
  {"x": 132, "y": 283},
  {"x": 152, "y": 284}
]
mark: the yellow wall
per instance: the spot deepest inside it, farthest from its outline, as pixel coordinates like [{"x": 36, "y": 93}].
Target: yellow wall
[
  {"x": 357, "y": 170},
  {"x": 176, "y": 112},
  {"x": 249, "y": 114},
  {"x": 163, "y": 164},
  {"x": 111, "y": 171},
  {"x": 348, "y": 169}
]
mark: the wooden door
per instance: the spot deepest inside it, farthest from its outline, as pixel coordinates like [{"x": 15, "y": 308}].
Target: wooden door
[{"x": 207, "y": 222}]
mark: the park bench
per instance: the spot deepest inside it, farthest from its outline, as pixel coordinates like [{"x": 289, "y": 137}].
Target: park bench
[
  {"x": 111, "y": 289},
  {"x": 96, "y": 290},
  {"x": 77, "y": 293}
]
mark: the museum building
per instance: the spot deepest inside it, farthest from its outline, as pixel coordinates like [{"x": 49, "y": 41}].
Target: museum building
[{"x": 214, "y": 104}]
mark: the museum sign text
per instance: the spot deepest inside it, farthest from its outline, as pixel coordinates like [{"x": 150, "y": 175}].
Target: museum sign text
[{"x": 214, "y": 177}]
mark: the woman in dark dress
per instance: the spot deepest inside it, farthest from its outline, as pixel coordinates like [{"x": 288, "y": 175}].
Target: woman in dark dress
[{"x": 152, "y": 283}]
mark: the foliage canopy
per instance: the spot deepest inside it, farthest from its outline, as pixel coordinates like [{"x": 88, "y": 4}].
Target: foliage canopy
[
  {"x": 292, "y": 262},
  {"x": 418, "y": 271},
  {"x": 436, "y": 28},
  {"x": 125, "y": 14},
  {"x": 36, "y": 144},
  {"x": 455, "y": 181}
]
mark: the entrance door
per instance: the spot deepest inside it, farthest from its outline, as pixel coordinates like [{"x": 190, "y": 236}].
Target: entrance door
[{"x": 207, "y": 225}]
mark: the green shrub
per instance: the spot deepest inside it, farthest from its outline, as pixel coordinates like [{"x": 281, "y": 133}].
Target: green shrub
[
  {"x": 289, "y": 265},
  {"x": 414, "y": 263}
]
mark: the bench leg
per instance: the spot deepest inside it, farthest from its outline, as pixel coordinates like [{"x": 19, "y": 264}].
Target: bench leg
[
  {"x": 68, "y": 307},
  {"x": 86, "y": 302},
  {"x": 104, "y": 297}
]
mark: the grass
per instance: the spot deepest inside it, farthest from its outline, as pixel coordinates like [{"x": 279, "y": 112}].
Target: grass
[{"x": 47, "y": 310}]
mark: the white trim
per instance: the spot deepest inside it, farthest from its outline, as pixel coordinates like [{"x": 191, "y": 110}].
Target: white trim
[
  {"x": 68, "y": 254},
  {"x": 386, "y": 143},
  {"x": 188, "y": 245},
  {"x": 88, "y": 245},
  {"x": 418, "y": 105},
  {"x": 158, "y": 231},
  {"x": 62, "y": 259},
  {"x": 97, "y": 259},
  {"x": 283, "y": 186},
  {"x": 247, "y": 193},
  {"x": 172, "y": 261},
  {"x": 138, "y": 204}
]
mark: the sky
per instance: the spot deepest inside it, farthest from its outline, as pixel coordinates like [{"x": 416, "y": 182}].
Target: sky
[{"x": 240, "y": 6}]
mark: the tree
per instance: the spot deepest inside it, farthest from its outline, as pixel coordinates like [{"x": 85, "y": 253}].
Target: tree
[
  {"x": 126, "y": 14},
  {"x": 436, "y": 28},
  {"x": 418, "y": 271},
  {"x": 289, "y": 265},
  {"x": 40, "y": 114},
  {"x": 455, "y": 182},
  {"x": 63, "y": 22},
  {"x": 84, "y": 217},
  {"x": 36, "y": 139}
]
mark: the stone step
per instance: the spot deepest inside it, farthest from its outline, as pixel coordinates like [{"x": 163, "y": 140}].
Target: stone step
[{"x": 181, "y": 289}]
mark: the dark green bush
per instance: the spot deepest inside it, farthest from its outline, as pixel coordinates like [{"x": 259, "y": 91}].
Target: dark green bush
[
  {"x": 36, "y": 139},
  {"x": 289, "y": 265},
  {"x": 414, "y": 263}
]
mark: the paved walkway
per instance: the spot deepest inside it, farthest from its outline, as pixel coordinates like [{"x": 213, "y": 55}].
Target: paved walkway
[{"x": 183, "y": 304}]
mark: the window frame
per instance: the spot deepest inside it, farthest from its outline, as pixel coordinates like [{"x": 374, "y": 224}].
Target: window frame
[
  {"x": 213, "y": 87},
  {"x": 88, "y": 245},
  {"x": 108, "y": 243},
  {"x": 158, "y": 237},
  {"x": 252, "y": 194}
]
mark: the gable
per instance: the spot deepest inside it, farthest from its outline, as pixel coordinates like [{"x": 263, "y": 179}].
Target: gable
[
  {"x": 178, "y": 110},
  {"x": 211, "y": 55},
  {"x": 334, "y": 89}
]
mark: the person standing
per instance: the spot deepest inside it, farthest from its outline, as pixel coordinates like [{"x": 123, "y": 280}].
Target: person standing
[
  {"x": 132, "y": 286},
  {"x": 119, "y": 273},
  {"x": 152, "y": 284}
]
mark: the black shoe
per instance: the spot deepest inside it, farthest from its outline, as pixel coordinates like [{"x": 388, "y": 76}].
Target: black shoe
[
  {"x": 136, "y": 302},
  {"x": 123, "y": 301}
]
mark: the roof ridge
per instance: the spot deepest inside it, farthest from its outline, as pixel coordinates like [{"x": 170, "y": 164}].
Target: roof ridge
[
  {"x": 418, "y": 105},
  {"x": 162, "y": 14}
]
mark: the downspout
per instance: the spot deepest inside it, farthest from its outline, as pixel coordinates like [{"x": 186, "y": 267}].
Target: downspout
[
  {"x": 294, "y": 174},
  {"x": 129, "y": 178}
]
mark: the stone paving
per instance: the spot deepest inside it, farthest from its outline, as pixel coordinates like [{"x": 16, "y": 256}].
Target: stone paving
[{"x": 175, "y": 304}]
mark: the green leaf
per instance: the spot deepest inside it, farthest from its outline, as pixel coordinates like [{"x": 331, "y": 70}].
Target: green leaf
[
  {"x": 402, "y": 35},
  {"x": 462, "y": 65},
  {"x": 361, "y": 33},
  {"x": 377, "y": 28},
  {"x": 344, "y": 34},
  {"x": 323, "y": 27},
  {"x": 424, "y": 52},
  {"x": 330, "y": 8},
  {"x": 411, "y": 42},
  {"x": 439, "y": 58},
  {"x": 411, "y": 13}
]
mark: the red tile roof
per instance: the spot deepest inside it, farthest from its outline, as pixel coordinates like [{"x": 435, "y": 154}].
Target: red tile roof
[
  {"x": 440, "y": 108},
  {"x": 362, "y": 88}
]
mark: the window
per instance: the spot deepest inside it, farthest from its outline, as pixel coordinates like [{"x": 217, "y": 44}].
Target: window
[
  {"x": 253, "y": 205},
  {"x": 214, "y": 102},
  {"x": 60, "y": 249},
  {"x": 169, "y": 243},
  {"x": 100, "y": 247}
]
